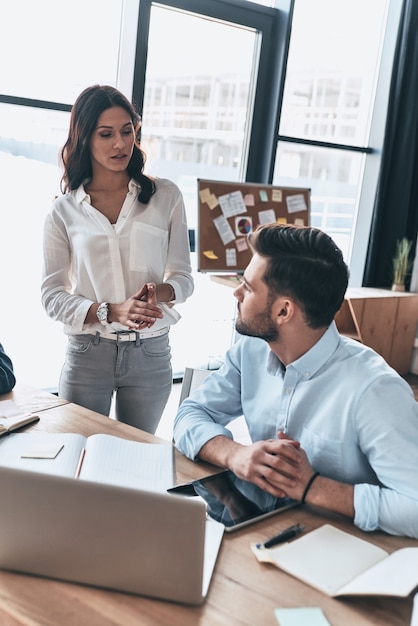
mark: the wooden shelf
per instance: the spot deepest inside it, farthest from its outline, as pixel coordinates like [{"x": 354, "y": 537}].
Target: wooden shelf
[{"x": 382, "y": 319}]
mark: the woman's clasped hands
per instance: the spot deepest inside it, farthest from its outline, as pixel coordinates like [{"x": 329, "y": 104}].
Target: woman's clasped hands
[{"x": 139, "y": 311}]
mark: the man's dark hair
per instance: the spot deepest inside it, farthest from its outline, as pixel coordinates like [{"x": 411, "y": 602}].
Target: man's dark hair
[{"x": 304, "y": 264}]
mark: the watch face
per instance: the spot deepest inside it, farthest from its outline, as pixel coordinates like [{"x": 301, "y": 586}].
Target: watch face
[{"x": 102, "y": 312}]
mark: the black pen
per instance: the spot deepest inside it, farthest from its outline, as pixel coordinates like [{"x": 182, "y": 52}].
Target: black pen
[{"x": 285, "y": 535}]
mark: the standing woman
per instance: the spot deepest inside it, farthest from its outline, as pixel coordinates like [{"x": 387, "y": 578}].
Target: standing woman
[{"x": 116, "y": 259}]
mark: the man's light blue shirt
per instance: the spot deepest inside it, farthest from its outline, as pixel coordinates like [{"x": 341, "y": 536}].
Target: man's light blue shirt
[{"x": 355, "y": 417}]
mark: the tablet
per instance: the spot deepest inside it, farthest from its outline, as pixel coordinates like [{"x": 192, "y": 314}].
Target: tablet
[{"x": 232, "y": 501}]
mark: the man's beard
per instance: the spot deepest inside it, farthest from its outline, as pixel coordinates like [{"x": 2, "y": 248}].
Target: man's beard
[{"x": 261, "y": 326}]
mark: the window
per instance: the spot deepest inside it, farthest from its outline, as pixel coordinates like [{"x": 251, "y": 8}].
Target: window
[
  {"x": 206, "y": 98},
  {"x": 331, "y": 91},
  {"x": 58, "y": 48}
]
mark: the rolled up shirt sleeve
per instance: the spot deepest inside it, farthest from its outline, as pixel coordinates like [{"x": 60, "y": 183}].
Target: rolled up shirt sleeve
[{"x": 387, "y": 422}]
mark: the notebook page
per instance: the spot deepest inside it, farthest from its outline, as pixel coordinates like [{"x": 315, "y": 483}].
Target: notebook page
[
  {"x": 125, "y": 463},
  {"x": 326, "y": 558},
  {"x": 397, "y": 575}
]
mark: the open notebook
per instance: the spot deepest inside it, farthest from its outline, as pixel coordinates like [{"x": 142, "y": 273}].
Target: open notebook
[
  {"x": 100, "y": 458},
  {"x": 131, "y": 540}
]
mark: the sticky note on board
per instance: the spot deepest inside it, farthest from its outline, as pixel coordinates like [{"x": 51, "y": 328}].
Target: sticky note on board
[
  {"x": 277, "y": 195},
  {"x": 204, "y": 194},
  {"x": 209, "y": 254},
  {"x": 212, "y": 201},
  {"x": 301, "y": 616},
  {"x": 249, "y": 199},
  {"x": 241, "y": 244}
]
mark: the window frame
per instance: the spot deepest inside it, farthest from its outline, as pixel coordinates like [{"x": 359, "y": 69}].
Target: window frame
[
  {"x": 371, "y": 150},
  {"x": 274, "y": 26}
]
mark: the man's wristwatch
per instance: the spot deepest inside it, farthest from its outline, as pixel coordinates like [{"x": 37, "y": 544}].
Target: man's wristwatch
[{"x": 102, "y": 313}]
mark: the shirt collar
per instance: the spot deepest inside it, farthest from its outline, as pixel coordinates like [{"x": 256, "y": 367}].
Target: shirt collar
[
  {"x": 134, "y": 186},
  {"x": 310, "y": 362},
  {"x": 82, "y": 195}
]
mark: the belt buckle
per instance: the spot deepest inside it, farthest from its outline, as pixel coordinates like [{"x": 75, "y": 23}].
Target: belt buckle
[{"x": 125, "y": 335}]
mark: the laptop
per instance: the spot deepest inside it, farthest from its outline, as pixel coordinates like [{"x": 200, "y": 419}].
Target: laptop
[{"x": 140, "y": 542}]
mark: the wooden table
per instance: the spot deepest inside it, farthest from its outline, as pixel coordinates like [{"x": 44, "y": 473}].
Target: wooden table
[
  {"x": 242, "y": 592},
  {"x": 31, "y": 400}
]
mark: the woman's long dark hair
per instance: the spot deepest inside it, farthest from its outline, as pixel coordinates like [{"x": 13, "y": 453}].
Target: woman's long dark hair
[{"x": 75, "y": 154}]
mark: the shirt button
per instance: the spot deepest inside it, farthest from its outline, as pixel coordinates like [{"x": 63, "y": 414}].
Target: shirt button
[
  {"x": 307, "y": 374},
  {"x": 288, "y": 391}
]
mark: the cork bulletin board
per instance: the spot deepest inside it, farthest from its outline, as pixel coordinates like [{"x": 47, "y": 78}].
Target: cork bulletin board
[{"x": 228, "y": 211}]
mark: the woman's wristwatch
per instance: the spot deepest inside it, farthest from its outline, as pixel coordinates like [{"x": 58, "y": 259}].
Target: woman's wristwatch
[{"x": 102, "y": 313}]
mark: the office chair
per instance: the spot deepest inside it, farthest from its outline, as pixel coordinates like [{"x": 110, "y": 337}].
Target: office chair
[{"x": 193, "y": 377}]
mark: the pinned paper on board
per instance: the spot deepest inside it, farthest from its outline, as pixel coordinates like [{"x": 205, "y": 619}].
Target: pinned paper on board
[
  {"x": 225, "y": 232},
  {"x": 282, "y": 220},
  {"x": 231, "y": 257},
  {"x": 299, "y": 221},
  {"x": 267, "y": 217},
  {"x": 243, "y": 225},
  {"x": 232, "y": 204},
  {"x": 296, "y": 203},
  {"x": 263, "y": 195}
]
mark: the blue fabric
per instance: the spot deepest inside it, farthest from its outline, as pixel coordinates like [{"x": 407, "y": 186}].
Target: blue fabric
[
  {"x": 138, "y": 371},
  {"x": 7, "y": 377},
  {"x": 356, "y": 418}
]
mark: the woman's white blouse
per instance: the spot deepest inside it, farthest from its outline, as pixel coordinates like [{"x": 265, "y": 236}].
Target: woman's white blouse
[{"x": 86, "y": 259}]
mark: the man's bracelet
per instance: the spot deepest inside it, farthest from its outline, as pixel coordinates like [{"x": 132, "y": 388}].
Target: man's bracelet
[{"x": 308, "y": 486}]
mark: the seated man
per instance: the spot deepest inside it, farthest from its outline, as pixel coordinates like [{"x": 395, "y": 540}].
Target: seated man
[
  {"x": 331, "y": 423},
  {"x": 7, "y": 377}
]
